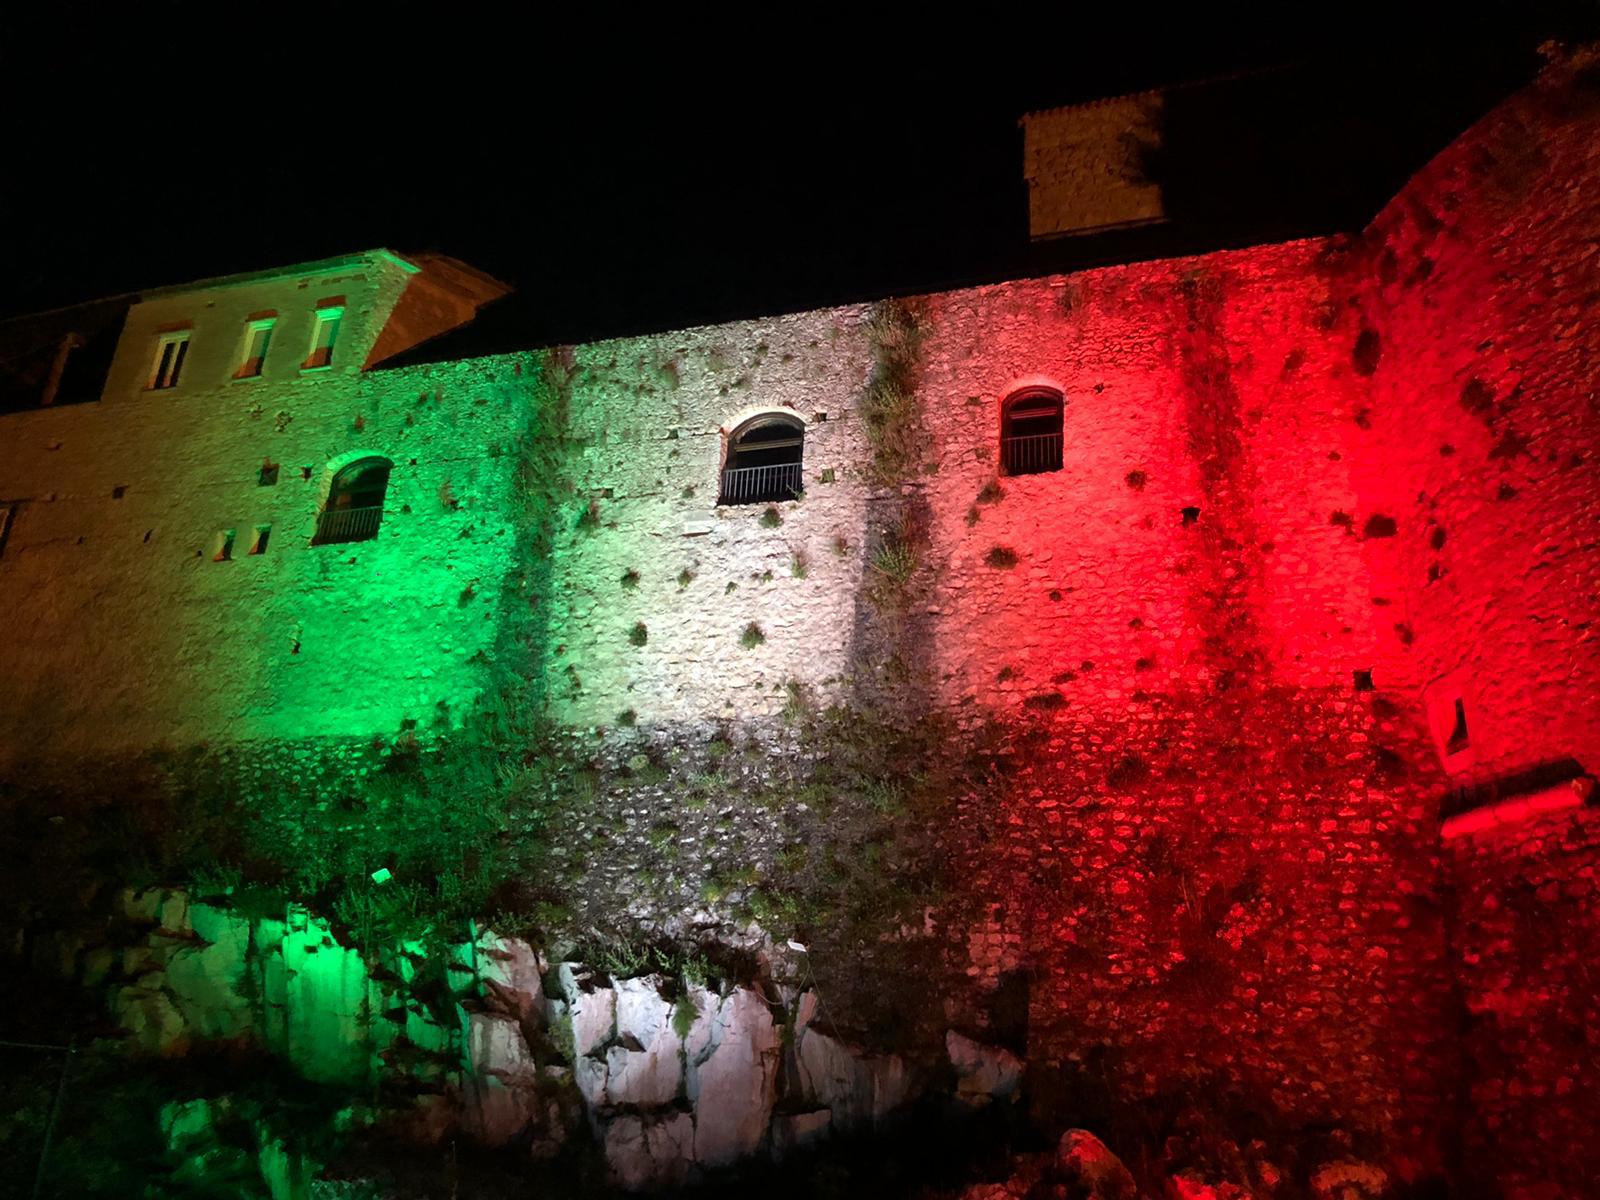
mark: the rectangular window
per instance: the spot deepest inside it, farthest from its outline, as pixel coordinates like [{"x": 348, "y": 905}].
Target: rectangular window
[
  {"x": 257, "y": 336},
  {"x": 324, "y": 337},
  {"x": 171, "y": 349},
  {"x": 258, "y": 543},
  {"x": 222, "y": 548}
]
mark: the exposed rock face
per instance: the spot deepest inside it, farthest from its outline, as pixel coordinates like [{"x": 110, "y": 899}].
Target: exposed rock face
[
  {"x": 983, "y": 1073},
  {"x": 207, "y": 977},
  {"x": 495, "y": 1046},
  {"x": 494, "y": 1111},
  {"x": 319, "y": 1000},
  {"x": 1088, "y": 1165},
  {"x": 591, "y": 1008},
  {"x": 861, "y": 1089},
  {"x": 512, "y": 975},
  {"x": 153, "y": 1022},
  {"x": 672, "y": 1084},
  {"x": 732, "y": 1054},
  {"x": 645, "y": 1065},
  {"x": 645, "y": 1151}
]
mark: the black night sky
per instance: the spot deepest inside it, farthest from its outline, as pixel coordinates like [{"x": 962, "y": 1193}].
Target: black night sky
[{"x": 624, "y": 183}]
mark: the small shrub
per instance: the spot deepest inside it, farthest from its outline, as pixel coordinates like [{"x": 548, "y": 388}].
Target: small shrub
[
  {"x": 841, "y": 545},
  {"x": 796, "y": 705},
  {"x": 799, "y": 565},
  {"x": 752, "y": 636},
  {"x": 827, "y": 476},
  {"x": 992, "y": 493},
  {"x": 1001, "y": 558},
  {"x": 894, "y": 560},
  {"x": 627, "y": 718},
  {"x": 684, "y": 1013},
  {"x": 1136, "y": 480},
  {"x": 890, "y": 411},
  {"x": 630, "y": 579},
  {"x": 639, "y": 634},
  {"x": 687, "y": 493},
  {"x": 685, "y": 577},
  {"x": 771, "y": 518},
  {"x": 589, "y": 519},
  {"x": 730, "y": 589}
]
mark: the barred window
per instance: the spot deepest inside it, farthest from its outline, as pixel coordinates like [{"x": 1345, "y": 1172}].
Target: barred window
[
  {"x": 1030, "y": 432},
  {"x": 354, "y": 508},
  {"x": 763, "y": 463}
]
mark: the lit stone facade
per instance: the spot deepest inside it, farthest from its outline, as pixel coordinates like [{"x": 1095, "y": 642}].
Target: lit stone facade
[{"x": 1307, "y": 489}]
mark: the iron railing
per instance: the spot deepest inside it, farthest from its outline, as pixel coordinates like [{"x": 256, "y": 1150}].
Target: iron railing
[
  {"x": 1031, "y": 455},
  {"x": 335, "y": 525},
  {"x": 760, "y": 485}
]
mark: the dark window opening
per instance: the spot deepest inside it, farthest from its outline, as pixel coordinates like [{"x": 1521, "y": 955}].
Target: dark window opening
[
  {"x": 1458, "y": 740},
  {"x": 1363, "y": 681},
  {"x": 171, "y": 350},
  {"x": 354, "y": 508},
  {"x": 268, "y": 475},
  {"x": 763, "y": 464},
  {"x": 1030, "y": 432}
]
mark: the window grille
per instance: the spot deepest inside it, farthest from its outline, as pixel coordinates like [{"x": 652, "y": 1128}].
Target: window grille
[
  {"x": 764, "y": 461},
  {"x": 1030, "y": 432},
  {"x": 354, "y": 508}
]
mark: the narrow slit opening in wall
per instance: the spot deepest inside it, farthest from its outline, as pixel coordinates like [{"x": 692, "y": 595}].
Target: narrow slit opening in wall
[
  {"x": 258, "y": 542},
  {"x": 1363, "y": 681},
  {"x": 268, "y": 475},
  {"x": 1458, "y": 739},
  {"x": 223, "y": 550}
]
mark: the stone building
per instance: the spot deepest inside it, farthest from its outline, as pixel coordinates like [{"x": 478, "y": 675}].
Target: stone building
[{"x": 1274, "y": 569}]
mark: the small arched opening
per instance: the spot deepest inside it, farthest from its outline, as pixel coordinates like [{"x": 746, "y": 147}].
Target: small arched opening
[
  {"x": 1030, "y": 432},
  {"x": 763, "y": 464},
  {"x": 354, "y": 508}
]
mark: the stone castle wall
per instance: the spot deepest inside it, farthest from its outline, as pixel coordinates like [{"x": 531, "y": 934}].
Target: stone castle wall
[
  {"x": 132, "y": 635},
  {"x": 1308, "y": 489},
  {"x": 1483, "y": 444}
]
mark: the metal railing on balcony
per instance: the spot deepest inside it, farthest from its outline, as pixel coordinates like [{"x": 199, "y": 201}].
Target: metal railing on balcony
[
  {"x": 335, "y": 525},
  {"x": 1031, "y": 455},
  {"x": 760, "y": 485}
]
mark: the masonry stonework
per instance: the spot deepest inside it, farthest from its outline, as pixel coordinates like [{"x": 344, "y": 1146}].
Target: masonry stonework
[{"x": 1307, "y": 491}]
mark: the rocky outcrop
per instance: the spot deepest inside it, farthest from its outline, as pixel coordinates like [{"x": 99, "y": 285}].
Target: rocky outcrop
[
  {"x": 1088, "y": 1165},
  {"x": 731, "y": 1057},
  {"x": 983, "y": 1073},
  {"x": 673, "y": 1079}
]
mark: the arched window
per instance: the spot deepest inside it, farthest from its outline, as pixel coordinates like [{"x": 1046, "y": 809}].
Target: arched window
[
  {"x": 1030, "y": 432},
  {"x": 354, "y": 507},
  {"x": 763, "y": 461}
]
